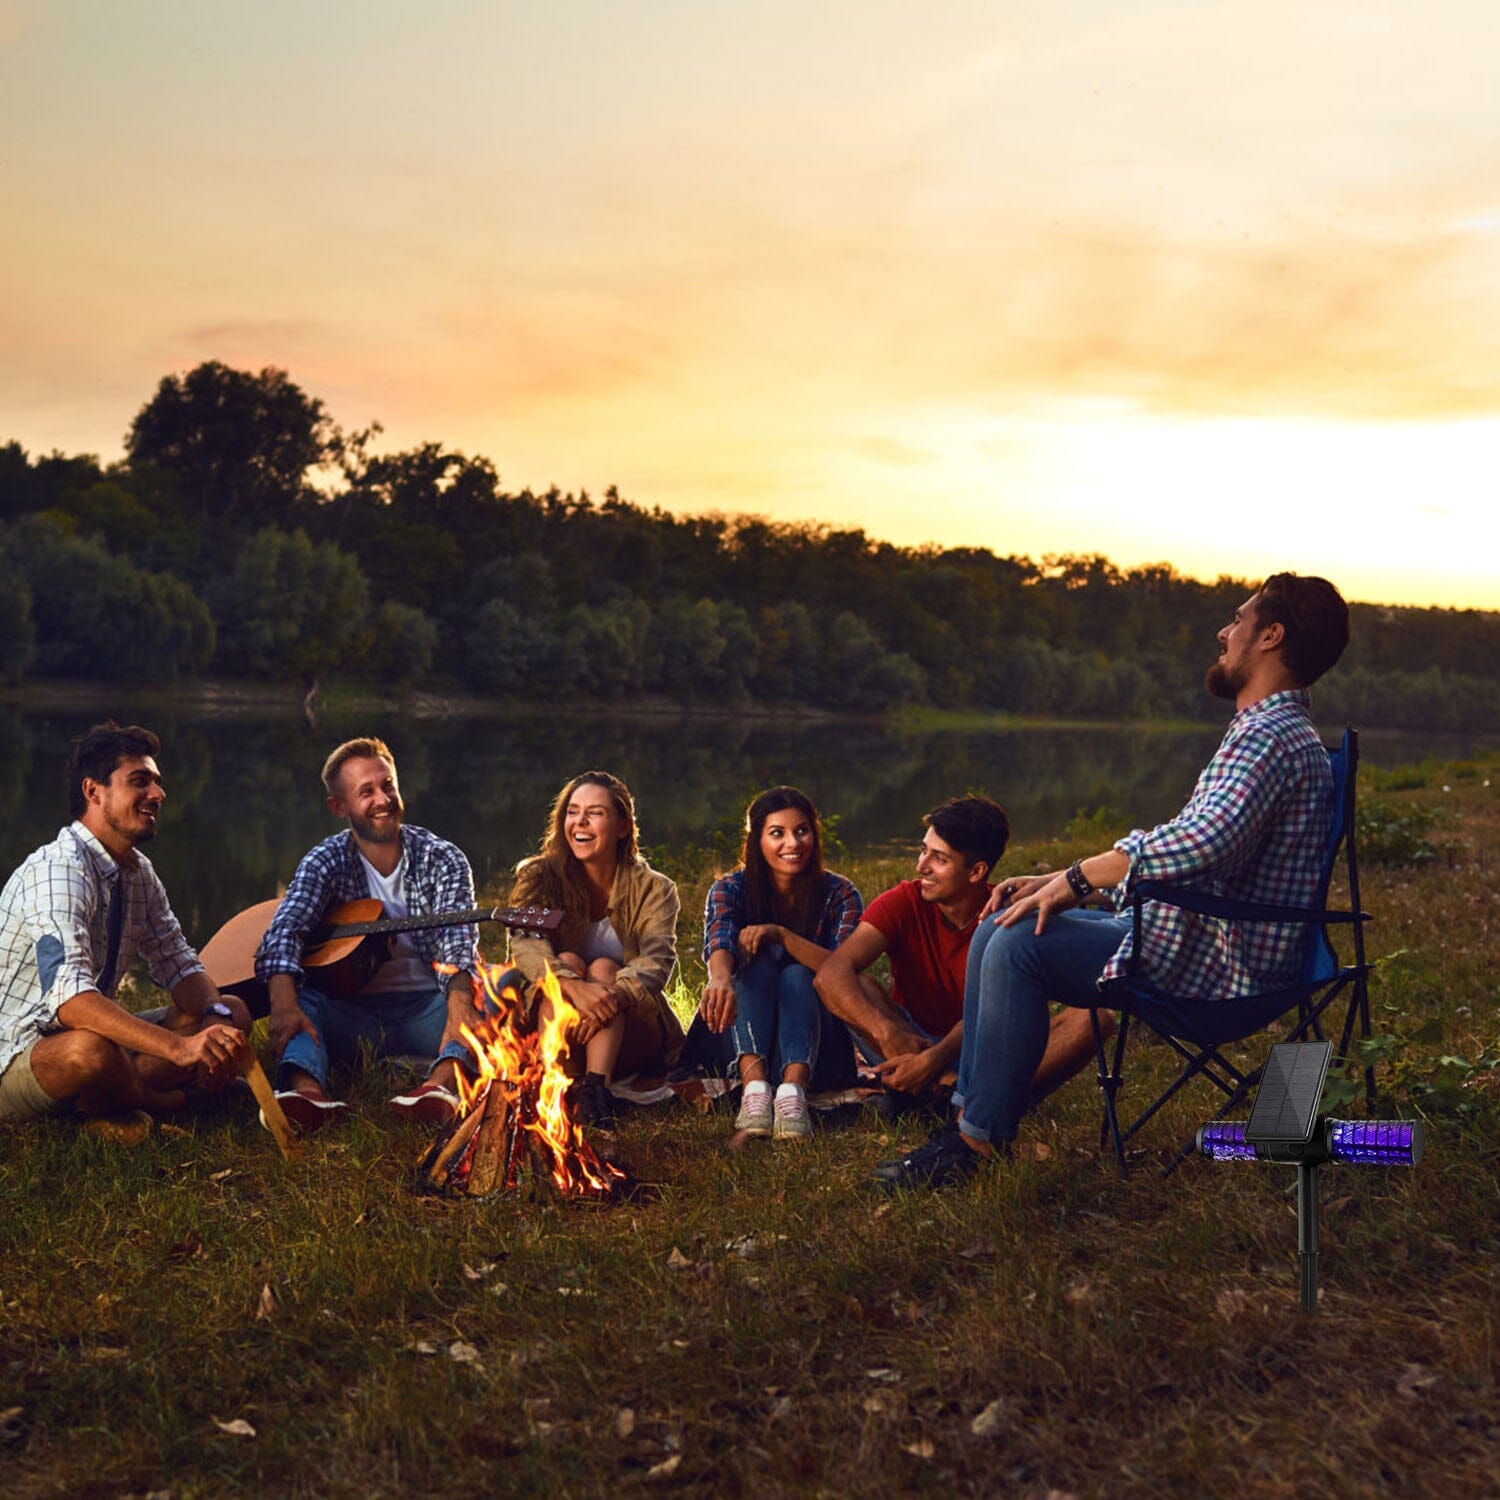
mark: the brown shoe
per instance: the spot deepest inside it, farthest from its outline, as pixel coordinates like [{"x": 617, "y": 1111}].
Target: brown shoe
[{"x": 128, "y": 1128}]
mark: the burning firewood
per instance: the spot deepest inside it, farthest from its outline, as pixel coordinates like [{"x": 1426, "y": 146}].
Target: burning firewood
[{"x": 515, "y": 1112}]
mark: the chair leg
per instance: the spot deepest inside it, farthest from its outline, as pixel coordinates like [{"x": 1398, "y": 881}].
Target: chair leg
[{"x": 1109, "y": 1082}]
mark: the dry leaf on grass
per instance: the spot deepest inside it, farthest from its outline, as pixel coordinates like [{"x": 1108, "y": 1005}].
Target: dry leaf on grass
[
  {"x": 665, "y": 1469},
  {"x": 922, "y": 1448},
  {"x": 624, "y": 1421},
  {"x": 677, "y": 1261},
  {"x": 1231, "y": 1303},
  {"x": 883, "y": 1373},
  {"x": 477, "y": 1273},
  {"x": 239, "y": 1427},
  {"x": 1080, "y": 1297},
  {"x": 223, "y": 1176},
  {"x": 266, "y": 1308},
  {"x": 463, "y": 1354},
  {"x": 12, "y": 1425},
  {"x": 1416, "y": 1378},
  {"x": 993, "y": 1421}
]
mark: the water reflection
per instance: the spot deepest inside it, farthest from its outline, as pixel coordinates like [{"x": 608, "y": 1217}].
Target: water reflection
[{"x": 244, "y": 802}]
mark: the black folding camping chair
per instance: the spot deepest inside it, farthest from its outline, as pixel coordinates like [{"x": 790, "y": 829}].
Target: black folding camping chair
[{"x": 1197, "y": 1027}]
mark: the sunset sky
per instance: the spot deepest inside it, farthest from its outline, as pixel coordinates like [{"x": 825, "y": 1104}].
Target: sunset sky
[{"x": 1210, "y": 283}]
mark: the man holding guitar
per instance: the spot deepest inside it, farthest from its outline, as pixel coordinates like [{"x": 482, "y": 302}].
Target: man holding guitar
[{"x": 402, "y": 1005}]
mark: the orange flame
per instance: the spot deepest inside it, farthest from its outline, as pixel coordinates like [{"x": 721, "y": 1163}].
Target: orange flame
[{"x": 531, "y": 1062}]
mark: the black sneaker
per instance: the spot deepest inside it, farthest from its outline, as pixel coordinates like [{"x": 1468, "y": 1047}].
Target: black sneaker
[
  {"x": 590, "y": 1103},
  {"x": 944, "y": 1159}
]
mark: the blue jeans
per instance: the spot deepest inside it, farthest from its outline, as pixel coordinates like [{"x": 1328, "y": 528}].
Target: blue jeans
[
  {"x": 1011, "y": 977},
  {"x": 778, "y": 1013},
  {"x": 401, "y": 1022}
]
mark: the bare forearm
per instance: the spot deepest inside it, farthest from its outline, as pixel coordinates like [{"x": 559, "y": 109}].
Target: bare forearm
[
  {"x": 945, "y": 1052},
  {"x": 90, "y": 1011},
  {"x": 1106, "y": 870},
  {"x": 804, "y": 951},
  {"x": 193, "y": 995},
  {"x": 839, "y": 987}
]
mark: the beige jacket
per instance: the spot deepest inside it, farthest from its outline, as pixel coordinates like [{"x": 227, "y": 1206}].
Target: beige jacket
[{"x": 643, "y": 909}]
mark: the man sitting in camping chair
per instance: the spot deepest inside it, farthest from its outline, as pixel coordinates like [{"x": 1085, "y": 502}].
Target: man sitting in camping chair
[{"x": 1256, "y": 829}]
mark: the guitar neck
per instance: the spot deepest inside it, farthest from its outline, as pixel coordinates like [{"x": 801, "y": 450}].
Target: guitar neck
[{"x": 520, "y": 918}]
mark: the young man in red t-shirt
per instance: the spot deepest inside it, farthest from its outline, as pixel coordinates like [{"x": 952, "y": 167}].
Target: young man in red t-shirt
[{"x": 924, "y": 926}]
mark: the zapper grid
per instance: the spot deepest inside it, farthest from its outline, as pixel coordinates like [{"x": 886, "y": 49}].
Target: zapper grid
[
  {"x": 1375, "y": 1143},
  {"x": 1224, "y": 1140}
]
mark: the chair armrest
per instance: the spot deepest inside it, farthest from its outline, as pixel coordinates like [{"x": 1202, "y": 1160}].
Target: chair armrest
[{"x": 1207, "y": 904}]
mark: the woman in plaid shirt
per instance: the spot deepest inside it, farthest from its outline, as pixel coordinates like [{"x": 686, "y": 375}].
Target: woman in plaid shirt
[{"x": 767, "y": 928}]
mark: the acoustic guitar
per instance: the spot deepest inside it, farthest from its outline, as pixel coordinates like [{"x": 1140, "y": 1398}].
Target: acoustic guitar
[{"x": 347, "y": 946}]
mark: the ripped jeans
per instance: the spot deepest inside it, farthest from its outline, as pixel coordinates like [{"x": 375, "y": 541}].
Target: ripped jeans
[{"x": 778, "y": 1014}]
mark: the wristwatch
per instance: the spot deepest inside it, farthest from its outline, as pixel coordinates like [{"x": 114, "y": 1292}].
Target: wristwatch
[{"x": 218, "y": 1008}]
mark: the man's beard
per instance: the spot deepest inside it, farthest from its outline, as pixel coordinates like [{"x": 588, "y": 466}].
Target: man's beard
[
  {"x": 385, "y": 832},
  {"x": 134, "y": 834},
  {"x": 1222, "y": 682}
]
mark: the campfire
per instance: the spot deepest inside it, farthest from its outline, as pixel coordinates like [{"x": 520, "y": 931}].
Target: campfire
[{"x": 513, "y": 1124}]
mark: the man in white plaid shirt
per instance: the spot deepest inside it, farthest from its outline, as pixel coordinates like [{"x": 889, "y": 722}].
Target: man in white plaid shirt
[
  {"x": 1254, "y": 829},
  {"x": 416, "y": 1001},
  {"x": 74, "y": 917}
]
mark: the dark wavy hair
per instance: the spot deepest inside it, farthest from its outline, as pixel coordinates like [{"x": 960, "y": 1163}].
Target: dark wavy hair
[
  {"x": 97, "y": 753},
  {"x": 553, "y": 876},
  {"x": 1314, "y": 618},
  {"x": 761, "y": 904}
]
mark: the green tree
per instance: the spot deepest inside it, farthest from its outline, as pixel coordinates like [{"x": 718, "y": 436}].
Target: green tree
[
  {"x": 402, "y": 646},
  {"x": 291, "y": 607},
  {"x": 111, "y": 619},
  {"x": 238, "y": 445}
]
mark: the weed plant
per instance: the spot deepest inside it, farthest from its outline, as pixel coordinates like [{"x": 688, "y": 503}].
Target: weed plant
[{"x": 196, "y": 1317}]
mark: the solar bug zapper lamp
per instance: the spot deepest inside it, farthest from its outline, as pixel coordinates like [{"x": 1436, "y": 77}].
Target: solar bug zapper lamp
[{"x": 1284, "y": 1127}]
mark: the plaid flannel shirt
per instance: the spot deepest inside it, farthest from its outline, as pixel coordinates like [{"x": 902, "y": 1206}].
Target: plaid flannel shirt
[
  {"x": 438, "y": 879},
  {"x": 1254, "y": 830},
  {"x": 724, "y": 913},
  {"x": 53, "y": 939}
]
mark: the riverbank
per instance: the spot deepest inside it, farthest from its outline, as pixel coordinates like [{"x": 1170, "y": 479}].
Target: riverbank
[{"x": 762, "y": 1319}]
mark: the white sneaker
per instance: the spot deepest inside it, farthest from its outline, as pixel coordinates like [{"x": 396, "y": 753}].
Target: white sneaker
[
  {"x": 754, "y": 1117},
  {"x": 793, "y": 1122}
]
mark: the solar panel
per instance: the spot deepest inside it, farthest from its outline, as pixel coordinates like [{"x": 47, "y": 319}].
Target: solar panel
[{"x": 1286, "y": 1107}]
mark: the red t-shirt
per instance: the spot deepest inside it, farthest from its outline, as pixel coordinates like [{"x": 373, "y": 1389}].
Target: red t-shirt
[{"x": 928, "y": 957}]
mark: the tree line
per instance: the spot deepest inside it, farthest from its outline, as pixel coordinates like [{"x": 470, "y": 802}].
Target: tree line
[{"x": 245, "y": 534}]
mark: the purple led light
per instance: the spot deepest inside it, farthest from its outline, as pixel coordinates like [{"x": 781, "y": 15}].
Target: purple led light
[
  {"x": 1375, "y": 1143},
  {"x": 1224, "y": 1140}
]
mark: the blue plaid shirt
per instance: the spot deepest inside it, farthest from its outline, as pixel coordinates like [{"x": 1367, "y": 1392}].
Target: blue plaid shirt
[
  {"x": 438, "y": 879},
  {"x": 724, "y": 913},
  {"x": 1254, "y": 830},
  {"x": 53, "y": 937}
]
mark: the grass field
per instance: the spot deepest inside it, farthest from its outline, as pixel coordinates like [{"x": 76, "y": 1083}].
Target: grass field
[{"x": 195, "y": 1317}]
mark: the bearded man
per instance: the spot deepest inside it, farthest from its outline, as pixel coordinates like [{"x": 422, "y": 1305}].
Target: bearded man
[
  {"x": 416, "y": 1001},
  {"x": 1255, "y": 829}
]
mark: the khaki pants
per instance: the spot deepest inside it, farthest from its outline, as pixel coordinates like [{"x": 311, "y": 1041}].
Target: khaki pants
[{"x": 21, "y": 1096}]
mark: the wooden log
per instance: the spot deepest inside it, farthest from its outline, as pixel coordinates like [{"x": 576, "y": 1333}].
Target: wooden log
[
  {"x": 439, "y": 1164},
  {"x": 487, "y": 1163}
]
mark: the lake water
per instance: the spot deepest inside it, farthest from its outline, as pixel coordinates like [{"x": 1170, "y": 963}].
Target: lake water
[{"x": 244, "y": 802}]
